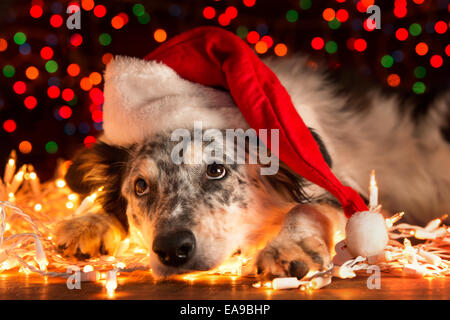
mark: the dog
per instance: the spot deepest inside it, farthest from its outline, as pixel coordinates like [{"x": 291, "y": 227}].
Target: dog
[{"x": 194, "y": 216}]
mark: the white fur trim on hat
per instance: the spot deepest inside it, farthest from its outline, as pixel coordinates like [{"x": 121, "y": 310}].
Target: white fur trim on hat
[{"x": 143, "y": 98}]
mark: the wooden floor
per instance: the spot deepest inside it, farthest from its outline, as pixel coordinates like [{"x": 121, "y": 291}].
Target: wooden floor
[{"x": 142, "y": 286}]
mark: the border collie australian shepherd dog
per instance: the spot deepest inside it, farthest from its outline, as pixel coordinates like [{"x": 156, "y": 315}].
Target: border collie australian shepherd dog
[{"x": 193, "y": 216}]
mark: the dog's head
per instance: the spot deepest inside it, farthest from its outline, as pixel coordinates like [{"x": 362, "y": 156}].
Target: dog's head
[{"x": 192, "y": 215}]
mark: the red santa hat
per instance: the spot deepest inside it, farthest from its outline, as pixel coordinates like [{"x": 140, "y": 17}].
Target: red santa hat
[{"x": 175, "y": 86}]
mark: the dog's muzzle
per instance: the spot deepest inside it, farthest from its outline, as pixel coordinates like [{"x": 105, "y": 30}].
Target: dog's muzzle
[{"x": 174, "y": 248}]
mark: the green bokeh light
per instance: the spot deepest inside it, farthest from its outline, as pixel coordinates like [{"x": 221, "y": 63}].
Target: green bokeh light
[
  {"x": 242, "y": 32},
  {"x": 419, "y": 87},
  {"x": 420, "y": 72},
  {"x": 331, "y": 47},
  {"x": 415, "y": 29},
  {"x": 144, "y": 19},
  {"x": 305, "y": 4},
  {"x": 387, "y": 61},
  {"x": 51, "y": 147},
  {"x": 9, "y": 71},
  {"x": 104, "y": 39},
  {"x": 51, "y": 66},
  {"x": 334, "y": 24},
  {"x": 292, "y": 16},
  {"x": 138, "y": 10},
  {"x": 20, "y": 38}
]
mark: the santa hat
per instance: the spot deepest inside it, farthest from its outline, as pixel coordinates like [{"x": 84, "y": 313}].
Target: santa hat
[{"x": 174, "y": 86}]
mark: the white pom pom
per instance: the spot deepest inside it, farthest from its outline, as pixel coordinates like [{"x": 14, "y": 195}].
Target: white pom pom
[{"x": 366, "y": 234}]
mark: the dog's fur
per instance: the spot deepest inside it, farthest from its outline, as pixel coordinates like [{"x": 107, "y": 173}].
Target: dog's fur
[{"x": 288, "y": 221}]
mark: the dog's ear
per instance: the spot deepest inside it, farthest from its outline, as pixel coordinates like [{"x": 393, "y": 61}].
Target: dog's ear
[
  {"x": 93, "y": 167},
  {"x": 102, "y": 165}
]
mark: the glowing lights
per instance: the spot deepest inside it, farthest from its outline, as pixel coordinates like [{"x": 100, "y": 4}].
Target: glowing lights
[
  {"x": 89, "y": 141},
  {"x": 51, "y": 147},
  {"x": 160, "y": 35},
  {"x": 144, "y": 19},
  {"x": 117, "y": 22},
  {"x": 317, "y": 43},
  {"x": 85, "y": 84},
  {"x": 56, "y": 21},
  {"x": 253, "y": 37},
  {"x": 9, "y": 125},
  {"x": 400, "y": 11},
  {"x": 280, "y": 49},
  {"x": 231, "y": 12},
  {"x": 334, "y": 24},
  {"x": 421, "y": 48},
  {"x": 100, "y": 11},
  {"x": 65, "y": 112},
  {"x": 87, "y": 5},
  {"x": 36, "y": 11},
  {"x": 104, "y": 39},
  {"x": 261, "y": 47},
  {"x": 209, "y": 12},
  {"x": 440, "y": 27},
  {"x": 249, "y": 3},
  {"x": 436, "y": 61},
  {"x": 342, "y": 15},
  {"x": 268, "y": 40},
  {"x": 95, "y": 78},
  {"x": 415, "y": 29},
  {"x": 393, "y": 80},
  {"x": 32, "y": 73},
  {"x": 331, "y": 47},
  {"x": 138, "y": 9},
  {"x": 53, "y": 92},
  {"x": 328, "y": 14},
  {"x": 419, "y": 87},
  {"x": 305, "y": 4},
  {"x": 51, "y": 66},
  {"x": 67, "y": 94},
  {"x": 20, "y": 38},
  {"x": 447, "y": 50},
  {"x": 106, "y": 58},
  {"x": 3, "y": 44},
  {"x": 96, "y": 96},
  {"x": 9, "y": 71},
  {"x": 360, "y": 45},
  {"x": 76, "y": 40},
  {"x": 30, "y": 102},
  {"x": 292, "y": 16},
  {"x": 420, "y": 72},
  {"x": 73, "y": 69},
  {"x": 46, "y": 53},
  {"x": 19, "y": 87},
  {"x": 97, "y": 116},
  {"x": 401, "y": 34},
  {"x": 25, "y": 147},
  {"x": 60, "y": 183},
  {"x": 387, "y": 61}
]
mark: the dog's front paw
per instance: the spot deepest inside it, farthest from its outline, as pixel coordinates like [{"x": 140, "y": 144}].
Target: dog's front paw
[
  {"x": 285, "y": 257},
  {"x": 89, "y": 235}
]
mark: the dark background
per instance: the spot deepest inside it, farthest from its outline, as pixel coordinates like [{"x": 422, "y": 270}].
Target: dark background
[{"x": 293, "y": 23}]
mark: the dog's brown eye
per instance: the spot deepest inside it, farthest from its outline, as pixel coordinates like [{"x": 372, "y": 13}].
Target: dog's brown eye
[
  {"x": 215, "y": 171},
  {"x": 141, "y": 187}
]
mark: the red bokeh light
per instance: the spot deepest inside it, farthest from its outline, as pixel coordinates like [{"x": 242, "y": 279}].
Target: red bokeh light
[
  {"x": 19, "y": 87},
  {"x": 67, "y": 94},
  {"x": 9, "y": 125},
  {"x": 342, "y": 15},
  {"x": 249, "y": 3},
  {"x": 97, "y": 115},
  {"x": 46, "y": 53},
  {"x": 268, "y": 40},
  {"x": 96, "y": 95},
  {"x": 76, "y": 39},
  {"x": 30, "y": 102},
  {"x": 360, "y": 45},
  {"x": 65, "y": 112},
  {"x": 231, "y": 12},
  {"x": 89, "y": 141},
  {"x": 209, "y": 12},
  {"x": 436, "y": 61},
  {"x": 53, "y": 92},
  {"x": 100, "y": 11},
  {"x": 253, "y": 37},
  {"x": 440, "y": 27},
  {"x": 317, "y": 43},
  {"x": 56, "y": 21},
  {"x": 224, "y": 20},
  {"x": 36, "y": 11},
  {"x": 401, "y": 34},
  {"x": 400, "y": 11}
]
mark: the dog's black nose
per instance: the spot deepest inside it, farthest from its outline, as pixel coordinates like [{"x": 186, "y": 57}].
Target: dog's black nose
[{"x": 174, "y": 248}]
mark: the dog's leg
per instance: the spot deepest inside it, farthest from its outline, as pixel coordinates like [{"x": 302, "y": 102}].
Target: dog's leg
[
  {"x": 303, "y": 244},
  {"x": 89, "y": 235}
]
